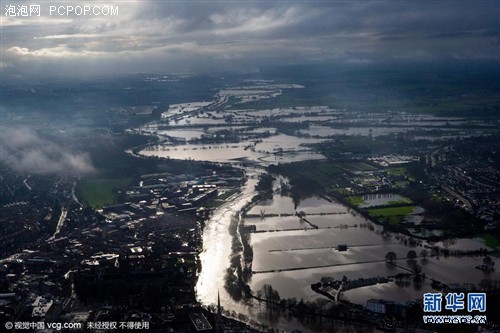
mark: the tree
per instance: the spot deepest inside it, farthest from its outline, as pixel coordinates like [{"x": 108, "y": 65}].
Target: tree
[
  {"x": 265, "y": 183},
  {"x": 424, "y": 254},
  {"x": 488, "y": 262},
  {"x": 485, "y": 284},
  {"x": 270, "y": 295},
  {"x": 412, "y": 255},
  {"x": 390, "y": 257},
  {"x": 267, "y": 290}
]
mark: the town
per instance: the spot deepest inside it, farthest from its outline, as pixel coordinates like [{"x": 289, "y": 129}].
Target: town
[{"x": 205, "y": 211}]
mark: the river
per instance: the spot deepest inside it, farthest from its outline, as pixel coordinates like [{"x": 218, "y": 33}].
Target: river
[
  {"x": 305, "y": 248},
  {"x": 215, "y": 261}
]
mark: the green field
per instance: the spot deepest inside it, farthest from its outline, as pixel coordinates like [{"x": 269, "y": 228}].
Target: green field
[
  {"x": 399, "y": 202},
  {"x": 396, "y": 171},
  {"x": 353, "y": 144},
  {"x": 355, "y": 200},
  {"x": 391, "y": 215},
  {"x": 99, "y": 192},
  {"x": 491, "y": 241},
  {"x": 214, "y": 203},
  {"x": 322, "y": 172}
]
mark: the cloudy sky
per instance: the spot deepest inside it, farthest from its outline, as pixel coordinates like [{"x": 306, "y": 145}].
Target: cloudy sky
[{"x": 174, "y": 36}]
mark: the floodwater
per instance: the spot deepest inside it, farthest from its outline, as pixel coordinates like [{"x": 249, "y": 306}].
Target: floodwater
[
  {"x": 291, "y": 260},
  {"x": 325, "y": 131},
  {"x": 182, "y": 134},
  {"x": 271, "y": 150},
  {"x": 290, "y": 255},
  {"x": 217, "y": 247},
  {"x": 215, "y": 260},
  {"x": 371, "y": 200}
]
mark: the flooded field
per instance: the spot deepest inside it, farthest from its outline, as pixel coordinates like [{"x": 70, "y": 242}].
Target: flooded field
[
  {"x": 290, "y": 255},
  {"x": 270, "y": 149},
  {"x": 371, "y": 200},
  {"x": 295, "y": 244}
]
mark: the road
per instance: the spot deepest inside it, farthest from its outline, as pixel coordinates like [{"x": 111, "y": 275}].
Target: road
[{"x": 60, "y": 223}]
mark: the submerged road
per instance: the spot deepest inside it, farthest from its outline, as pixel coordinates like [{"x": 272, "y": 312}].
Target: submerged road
[
  {"x": 324, "y": 266},
  {"x": 261, "y": 216},
  {"x": 327, "y": 247},
  {"x": 304, "y": 228}
]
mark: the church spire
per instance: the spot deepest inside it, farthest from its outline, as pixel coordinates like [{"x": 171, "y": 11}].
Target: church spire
[{"x": 218, "y": 319}]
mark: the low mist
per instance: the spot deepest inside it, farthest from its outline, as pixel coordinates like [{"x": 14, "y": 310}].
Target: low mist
[{"x": 24, "y": 150}]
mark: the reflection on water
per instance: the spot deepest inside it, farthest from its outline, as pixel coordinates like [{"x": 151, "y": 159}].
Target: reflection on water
[
  {"x": 283, "y": 241},
  {"x": 215, "y": 260},
  {"x": 308, "y": 248},
  {"x": 371, "y": 200},
  {"x": 217, "y": 248},
  {"x": 325, "y": 131},
  {"x": 278, "y": 148},
  {"x": 292, "y": 244}
]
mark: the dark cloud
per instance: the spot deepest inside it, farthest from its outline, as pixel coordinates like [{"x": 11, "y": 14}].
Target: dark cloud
[
  {"x": 216, "y": 35},
  {"x": 22, "y": 149}
]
